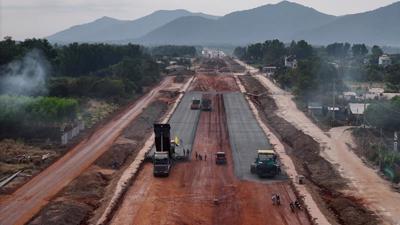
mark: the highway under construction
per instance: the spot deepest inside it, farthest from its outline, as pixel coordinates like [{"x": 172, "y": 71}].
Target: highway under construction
[
  {"x": 212, "y": 115},
  {"x": 200, "y": 191}
]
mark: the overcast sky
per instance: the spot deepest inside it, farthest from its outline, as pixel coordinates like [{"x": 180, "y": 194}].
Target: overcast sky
[{"x": 39, "y": 18}]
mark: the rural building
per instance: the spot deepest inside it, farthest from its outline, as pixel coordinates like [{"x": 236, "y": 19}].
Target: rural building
[
  {"x": 340, "y": 112},
  {"x": 355, "y": 112},
  {"x": 175, "y": 69},
  {"x": 291, "y": 61},
  {"x": 269, "y": 70},
  {"x": 389, "y": 96},
  {"x": 349, "y": 96},
  {"x": 315, "y": 108},
  {"x": 374, "y": 93},
  {"x": 385, "y": 60}
]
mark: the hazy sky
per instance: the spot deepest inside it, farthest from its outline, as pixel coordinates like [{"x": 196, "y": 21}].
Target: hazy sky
[{"x": 39, "y": 18}]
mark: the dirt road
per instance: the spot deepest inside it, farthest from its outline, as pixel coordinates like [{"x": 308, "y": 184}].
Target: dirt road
[
  {"x": 369, "y": 185},
  {"x": 24, "y": 203},
  {"x": 365, "y": 183},
  {"x": 188, "y": 196}
]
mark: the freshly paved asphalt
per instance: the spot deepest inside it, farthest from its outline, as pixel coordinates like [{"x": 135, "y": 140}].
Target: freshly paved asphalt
[
  {"x": 184, "y": 123},
  {"x": 245, "y": 134}
]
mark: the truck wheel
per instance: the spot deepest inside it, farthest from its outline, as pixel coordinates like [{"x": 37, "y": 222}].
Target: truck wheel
[{"x": 253, "y": 169}]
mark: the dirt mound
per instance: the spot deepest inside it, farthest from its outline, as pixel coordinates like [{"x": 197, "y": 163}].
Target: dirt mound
[
  {"x": 116, "y": 156},
  {"x": 65, "y": 212},
  {"x": 214, "y": 83},
  {"x": 323, "y": 178}
]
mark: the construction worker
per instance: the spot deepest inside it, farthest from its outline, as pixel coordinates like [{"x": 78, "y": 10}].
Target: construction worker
[
  {"x": 205, "y": 157},
  {"x": 196, "y": 156},
  {"x": 184, "y": 153},
  {"x": 278, "y": 199},
  {"x": 292, "y": 207},
  {"x": 187, "y": 152},
  {"x": 297, "y": 204},
  {"x": 273, "y": 199}
]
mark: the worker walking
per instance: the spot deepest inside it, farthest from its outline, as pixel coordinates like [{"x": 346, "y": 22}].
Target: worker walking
[
  {"x": 273, "y": 199},
  {"x": 196, "y": 156},
  {"x": 292, "y": 207},
  {"x": 278, "y": 199},
  {"x": 205, "y": 157}
]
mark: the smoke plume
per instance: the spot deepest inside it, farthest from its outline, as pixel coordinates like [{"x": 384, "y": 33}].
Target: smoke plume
[{"x": 26, "y": 76}]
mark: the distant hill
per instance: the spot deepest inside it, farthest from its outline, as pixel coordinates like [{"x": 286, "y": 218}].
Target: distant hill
[
  {"x": 108, "y": 29},
  {"x": 285, "y": 21},
  {"x": 380, "y": 26},
  {"x": 281, "y": 20}
]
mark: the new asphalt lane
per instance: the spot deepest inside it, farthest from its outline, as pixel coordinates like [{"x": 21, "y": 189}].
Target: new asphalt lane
[{"x": 246, "y": 136}]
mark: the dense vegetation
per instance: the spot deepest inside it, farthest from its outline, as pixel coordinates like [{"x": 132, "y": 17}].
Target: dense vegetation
[
  {"x": 311, "y": 77},
  {"x": 320, "y": 67},
  {"x": 385, "y": 115},
  {"x": 88, "y": 70},
  {"x": 22, "y": 114},
  {"x": 69, "y": 76},
  {"x": 173, "y": 51}
]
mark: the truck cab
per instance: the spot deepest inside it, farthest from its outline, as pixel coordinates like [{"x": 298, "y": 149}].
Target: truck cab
[
  {"x": 195, "y": 104},
  {"x": 220, "y": 158},
  {"x": 266, "y": 164},
  {"x": 161, "y": 164}
]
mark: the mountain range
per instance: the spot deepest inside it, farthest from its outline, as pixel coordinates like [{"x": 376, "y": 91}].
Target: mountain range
[{"x": 285, "y": 21}]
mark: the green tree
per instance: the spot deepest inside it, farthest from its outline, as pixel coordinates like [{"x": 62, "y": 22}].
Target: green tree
[
  {"x": 359, "y": 50},
  {"x": 301, "y": 49},
  {"x": 338, "y": 50}
]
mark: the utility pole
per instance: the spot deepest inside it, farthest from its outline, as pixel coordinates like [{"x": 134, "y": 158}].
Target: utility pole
[
  {"x": 334, "y": 102},
  {"x": 380, "y": 149}
]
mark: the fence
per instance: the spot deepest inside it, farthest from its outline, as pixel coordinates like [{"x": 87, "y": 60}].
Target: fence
[{"x": 67, "y": 136}]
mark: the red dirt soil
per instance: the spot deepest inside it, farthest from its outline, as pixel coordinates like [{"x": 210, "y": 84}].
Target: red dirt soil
[
  {"x": 25, "y": 202},
  {"x": 187, "y": 195},
  {"x": 214, "y": 83}
]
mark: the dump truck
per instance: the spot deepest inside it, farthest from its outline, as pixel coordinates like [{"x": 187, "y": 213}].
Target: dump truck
[
  {"x": 163, "y": 155},
  {"x": 206, "y": 103},
  {"x": 220, "y": 158},
  {"x": 266, "y": 164},
  {"x": 195, "y": 104}
]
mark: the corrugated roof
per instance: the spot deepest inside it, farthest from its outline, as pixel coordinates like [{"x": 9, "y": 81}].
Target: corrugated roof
[{"x": 358, "y": 108}]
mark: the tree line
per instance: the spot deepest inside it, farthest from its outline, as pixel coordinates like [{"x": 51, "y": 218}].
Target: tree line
[
  {"x": 312, "y": 77},
  {"x": 94, "y": 70}
]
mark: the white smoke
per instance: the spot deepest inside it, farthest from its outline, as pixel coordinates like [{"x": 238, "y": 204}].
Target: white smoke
[{"x": 26, "y": 76}]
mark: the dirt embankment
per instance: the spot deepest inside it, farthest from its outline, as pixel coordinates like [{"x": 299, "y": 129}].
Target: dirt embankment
[
  {"x": 323, "y": 179},
  {"x": 77, "y": 203},
  {"x": 214, "y": 83}
]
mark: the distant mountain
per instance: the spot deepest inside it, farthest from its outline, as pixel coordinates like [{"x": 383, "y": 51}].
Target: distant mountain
[
  {"x": 108, "y": 29},
  {"x": 280, "y": 20},
  {"x": 380, "y": 26},
  {"x": 285, "y": 21}
]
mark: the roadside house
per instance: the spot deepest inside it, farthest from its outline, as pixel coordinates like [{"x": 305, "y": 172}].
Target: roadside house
[
  {"x": 175, "y": 69},
  {"x": 269, "y": 70},
  {"x": 356, "y": 112},
  {"x": 315, "y": 109},
  {"x": 291, "y": 61},
  {"x": 384, "y": 60},
  {"x": 349, "y": 96}
]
